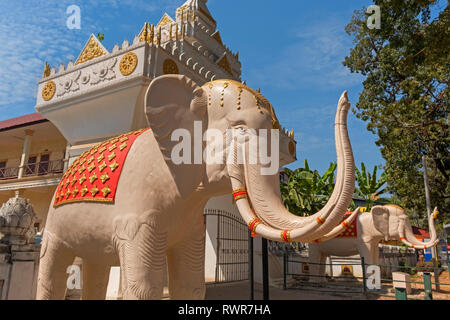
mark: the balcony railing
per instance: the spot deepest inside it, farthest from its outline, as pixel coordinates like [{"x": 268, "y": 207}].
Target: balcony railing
[
  {"x": 33, "y": 169},
  {"x": 9, "y": 173}
]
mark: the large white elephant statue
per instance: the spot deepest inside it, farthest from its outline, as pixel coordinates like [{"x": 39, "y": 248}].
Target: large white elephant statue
[
  {"x": 154, "y": 211},
  {"x": 388, "y": 222}
]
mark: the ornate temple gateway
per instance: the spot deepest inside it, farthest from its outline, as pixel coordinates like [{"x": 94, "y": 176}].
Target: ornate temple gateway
[{"x": 101, "y": 96}]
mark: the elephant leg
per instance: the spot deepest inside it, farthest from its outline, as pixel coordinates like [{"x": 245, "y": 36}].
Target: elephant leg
[
  {"x": 186, "y": 263},
  {"x": 375, "y": 253},
  {"x": 365, "y": 250},
  {"x": 95, "y": 280},
  {"x": 142, "y": 254},
  {"x": 55, "y": 257}
]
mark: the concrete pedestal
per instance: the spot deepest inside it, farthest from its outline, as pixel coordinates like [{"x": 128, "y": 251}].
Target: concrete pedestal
[
  {"x": 19, "y": 266},
  {"x": 401, "y": 280}
]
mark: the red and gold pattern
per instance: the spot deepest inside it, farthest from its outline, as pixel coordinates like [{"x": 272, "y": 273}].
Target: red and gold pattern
[
  {"x": 94, "y": 176},
  {"x": 320, "y": 220},
  {"x": 253, "y": 224},
  {"x": 350, "y": 229},
  {"x": 286, "y": 235},
  {"x": 239, "y": 194}
]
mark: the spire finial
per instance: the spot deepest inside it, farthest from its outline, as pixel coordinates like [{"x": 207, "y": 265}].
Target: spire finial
[
  {"x": 46, "y": 70},
  {"x": 152, "y": 33},
  {"x": 159, "y": 36}
]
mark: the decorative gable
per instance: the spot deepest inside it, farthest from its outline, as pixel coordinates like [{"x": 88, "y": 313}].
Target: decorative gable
[
  {"x": 93, "y": 49},
  {"x": 165, "y": 20}
]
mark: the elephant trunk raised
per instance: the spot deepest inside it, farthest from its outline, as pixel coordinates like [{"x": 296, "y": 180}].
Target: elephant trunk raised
[
  {"x": 264, "y": 211},
  {"x": 407, "y": 236}
]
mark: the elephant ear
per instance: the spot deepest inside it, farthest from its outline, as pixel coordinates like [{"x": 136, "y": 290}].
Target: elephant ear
[
  {"x": 380, "y": 216},
  {"x": 173, "y": 102},
  {"x": 176, "y": 102}
]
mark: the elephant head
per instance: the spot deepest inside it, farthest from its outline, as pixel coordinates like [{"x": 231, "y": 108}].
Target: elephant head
[
  {"x": 176, "y": 102},
  {"x": 392, "y": 223}
]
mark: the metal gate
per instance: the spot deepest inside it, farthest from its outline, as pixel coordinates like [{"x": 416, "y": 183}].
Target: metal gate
[{"x": 232, "y": 246}]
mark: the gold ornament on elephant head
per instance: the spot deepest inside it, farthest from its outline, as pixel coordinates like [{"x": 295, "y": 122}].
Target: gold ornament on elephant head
[
  {"x": 260, "y": 100},
  {"x": 48, "y": 91},
  {"x": 128, "y": 63}
]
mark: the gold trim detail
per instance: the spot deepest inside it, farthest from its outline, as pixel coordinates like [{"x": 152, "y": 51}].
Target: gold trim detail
[
  {"x": 165, "y": 20},
  {"x": 122, "y": 146},
  {"x": 101, "y": 157},
  {"x": 106, "y": 190},
  {"x": 83, "y": 179},
  {"x": 128, "y": 63},
  {"x": 91, "y": 50},
  {"x": 48, "y": 91},
  {"x": 93, "y": 178},
  {"x": 91, "y": 167},
  {"x": 84, "y": 200},
  {"x": 260, "y": 100},
  {"x": 94, "y": 191},
  {"x": 113, "y": 166},
  {"x": 170, "y": 67},
  {"x": 104, "y": 178},
  {"x": 111, "y": 156},
  {"x": 102, "y": 166}
]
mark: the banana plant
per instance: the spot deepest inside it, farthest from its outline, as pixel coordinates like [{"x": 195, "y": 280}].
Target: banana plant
[
  {"x": 307, "y": 191},
  {"x": 369, "y": 186}
]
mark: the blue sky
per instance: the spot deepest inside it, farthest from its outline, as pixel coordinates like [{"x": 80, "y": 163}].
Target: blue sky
[{"x": 292, "y": 50}]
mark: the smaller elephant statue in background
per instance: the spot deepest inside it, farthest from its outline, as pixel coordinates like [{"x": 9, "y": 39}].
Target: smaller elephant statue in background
[{"x": 388, "y": 222}]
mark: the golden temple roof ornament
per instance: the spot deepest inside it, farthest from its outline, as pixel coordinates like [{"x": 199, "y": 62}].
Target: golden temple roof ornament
[
  {"x": 159, "y": 36},
  {"x": 152, "y": 33},
  {"x": 46, "y": 70},
  {"x": 144, "y": 36},
  {"x": 165, "y": 20},
  {"x": 93, "y": 49}
]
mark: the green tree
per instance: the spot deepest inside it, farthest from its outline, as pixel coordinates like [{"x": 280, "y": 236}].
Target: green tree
[
  {"x": 100, "y": 36},
  {"x": 405, "y": 99},
  {"x": 307, "y": 191},
  {"x": 369, "y": 185}
]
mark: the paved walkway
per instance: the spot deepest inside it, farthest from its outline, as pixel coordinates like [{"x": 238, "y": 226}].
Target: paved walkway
[{"x": 240, "y": 291}]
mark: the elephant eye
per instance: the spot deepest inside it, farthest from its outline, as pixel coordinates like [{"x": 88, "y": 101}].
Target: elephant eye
[{"x": 240, "y": 127}]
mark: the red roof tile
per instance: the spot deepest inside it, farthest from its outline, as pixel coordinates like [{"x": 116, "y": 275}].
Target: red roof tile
[{"x": 21, "y": 121}]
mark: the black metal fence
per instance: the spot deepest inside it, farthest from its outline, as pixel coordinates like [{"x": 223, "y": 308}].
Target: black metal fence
[
  {"x": 350, "y": 285},
  {"x": 231, "y": 246}
]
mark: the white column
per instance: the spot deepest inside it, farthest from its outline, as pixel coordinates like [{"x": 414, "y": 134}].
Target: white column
[
  {"x": 66, "y": 157},
  {"x": 25, "y": 151}
]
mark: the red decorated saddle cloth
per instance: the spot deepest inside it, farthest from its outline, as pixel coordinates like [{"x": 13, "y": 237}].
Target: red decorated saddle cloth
[
  {"x": 350, "y": 231},
  {"x": 94, "y": 176}
]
